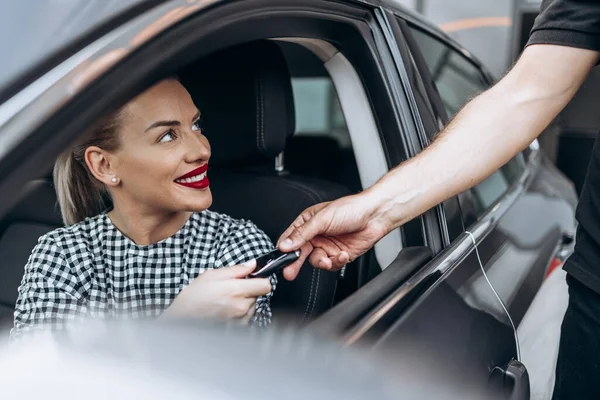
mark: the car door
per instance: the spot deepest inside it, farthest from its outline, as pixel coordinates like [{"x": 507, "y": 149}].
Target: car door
[
  {"x": 521, "y": 245},
  {"x": 513, "y": 222},
  {"x": 446, "y": 311}
]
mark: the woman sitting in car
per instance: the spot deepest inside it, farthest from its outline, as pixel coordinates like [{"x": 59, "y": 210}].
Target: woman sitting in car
[{"x": 157, "y": 251}]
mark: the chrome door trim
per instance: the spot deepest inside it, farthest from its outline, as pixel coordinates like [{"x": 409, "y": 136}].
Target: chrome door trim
[
  {"x": 23, "y": 112},
  {"x": 424, "y": 141},
  {"x": 390, "y": 38},
  {"x": 451, "y": 257}
]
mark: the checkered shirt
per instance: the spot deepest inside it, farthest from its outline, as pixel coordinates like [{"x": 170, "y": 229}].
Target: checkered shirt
[{"x": 91, "y": 269}]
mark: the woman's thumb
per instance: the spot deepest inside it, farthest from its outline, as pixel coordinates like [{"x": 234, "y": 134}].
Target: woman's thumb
[{"x": 237, "y": 271}]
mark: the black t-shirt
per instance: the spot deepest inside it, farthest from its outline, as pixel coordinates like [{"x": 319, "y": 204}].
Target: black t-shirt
[{"x": 576, "y": 23}]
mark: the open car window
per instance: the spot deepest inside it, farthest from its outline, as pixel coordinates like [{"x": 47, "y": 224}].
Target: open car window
[
  {"x": 336, "y": 138},
  {"x": 318, "y": 110},
  {"x": 458, "y": 80},
  {"x": 321, "y": 146}
]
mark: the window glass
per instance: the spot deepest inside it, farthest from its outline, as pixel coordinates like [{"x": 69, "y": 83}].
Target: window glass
[
  {"x": 321, "y": 145},
  {"x": 490, "y": 190},
  {"x": 312, "y": 98},
  {"x": 318, "y": 110},
  {"x": 458, "y": 80}
]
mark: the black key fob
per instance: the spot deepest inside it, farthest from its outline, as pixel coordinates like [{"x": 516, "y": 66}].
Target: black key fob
[{"x": 273, "y": 262}]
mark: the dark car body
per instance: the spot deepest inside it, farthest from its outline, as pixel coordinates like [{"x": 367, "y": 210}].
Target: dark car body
[{"x": 73, "y": 60}]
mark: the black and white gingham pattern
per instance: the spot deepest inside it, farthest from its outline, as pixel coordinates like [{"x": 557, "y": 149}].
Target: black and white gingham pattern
[{"x": 91, "y": 269}]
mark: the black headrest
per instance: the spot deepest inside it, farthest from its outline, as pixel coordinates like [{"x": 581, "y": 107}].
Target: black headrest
[{"x": 245, "y": 97}]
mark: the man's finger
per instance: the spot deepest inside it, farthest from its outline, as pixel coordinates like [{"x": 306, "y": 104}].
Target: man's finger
[
  {"x": 306, "y": 216},
  {"x": 339, "y": 261},
  {"x": 291, "y": 271},
  {"x": 299, "y": 221},
  {"x": 303, "y": 233},
  {"x": 320, "y": 259}
]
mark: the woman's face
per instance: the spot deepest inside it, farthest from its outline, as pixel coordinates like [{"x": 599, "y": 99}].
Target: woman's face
[{"x": 163, "y": 157}]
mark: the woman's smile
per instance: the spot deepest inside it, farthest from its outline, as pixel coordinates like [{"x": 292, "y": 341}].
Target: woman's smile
[{"x": 195, "y": 179}]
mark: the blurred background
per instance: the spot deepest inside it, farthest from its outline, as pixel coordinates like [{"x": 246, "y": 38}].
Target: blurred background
[
  {"x": 496, "y": 32},
  {"x": 482, "y": 26}
]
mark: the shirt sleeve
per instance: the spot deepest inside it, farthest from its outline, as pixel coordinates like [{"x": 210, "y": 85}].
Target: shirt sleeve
[
  {"x": 573, "y": 23},
  {"x": 246, "y": 242},
  {"x": 48, "y": 296}
]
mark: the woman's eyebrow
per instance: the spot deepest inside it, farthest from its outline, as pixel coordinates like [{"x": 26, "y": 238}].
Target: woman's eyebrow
[
  {"x": 163, "y": 123},
  {"x": 170, "y": 123}
]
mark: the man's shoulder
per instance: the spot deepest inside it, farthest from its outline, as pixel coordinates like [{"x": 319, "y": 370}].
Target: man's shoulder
[{"x": 568, "y": 23}]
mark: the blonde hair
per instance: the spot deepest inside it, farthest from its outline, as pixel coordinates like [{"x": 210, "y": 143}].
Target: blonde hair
[{"x": 80, "y": 194}]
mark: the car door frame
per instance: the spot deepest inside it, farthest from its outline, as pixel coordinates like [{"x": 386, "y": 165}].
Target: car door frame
[
  {"x": 522, "y": 292},
  {"x": 414, "y": 291},
  {"x": 415, "y": 87}
]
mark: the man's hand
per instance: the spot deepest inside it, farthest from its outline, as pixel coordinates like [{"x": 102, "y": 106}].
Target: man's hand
[{"x": 334, "y": 234}]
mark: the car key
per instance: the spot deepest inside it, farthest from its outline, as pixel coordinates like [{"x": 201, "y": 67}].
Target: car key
[{"x": 273, "y": 262}]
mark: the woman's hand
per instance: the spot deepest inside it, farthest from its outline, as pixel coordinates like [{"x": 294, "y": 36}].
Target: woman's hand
[{"x": 221, "y": 293}]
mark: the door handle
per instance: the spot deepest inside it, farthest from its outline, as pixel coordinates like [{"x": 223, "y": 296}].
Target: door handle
[
  {"x": 512, "y": 381},
  {"x": 566, "y": 238},
  {"x": 565, "y": 246}
]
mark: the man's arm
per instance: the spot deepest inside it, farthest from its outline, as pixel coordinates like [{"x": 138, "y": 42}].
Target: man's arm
[
  {"x": 484, "y": 135},
  {"x": 487, "y": 133}
]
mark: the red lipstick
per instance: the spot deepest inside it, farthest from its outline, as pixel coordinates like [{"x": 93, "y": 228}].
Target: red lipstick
[{"x": 195, "y": 179}]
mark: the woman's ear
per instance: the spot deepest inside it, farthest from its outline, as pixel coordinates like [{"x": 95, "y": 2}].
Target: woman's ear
[{"x": 99, "y": 164}]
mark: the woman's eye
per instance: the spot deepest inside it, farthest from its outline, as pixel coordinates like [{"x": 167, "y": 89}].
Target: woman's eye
[
  {"x": 197, "y": 126},
  {"x": 167, "y": 137}
]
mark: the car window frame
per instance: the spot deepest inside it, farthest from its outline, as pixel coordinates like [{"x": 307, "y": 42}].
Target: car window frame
[
  {"x": 409, "y": 117},
  {"x": 465, "y": 201},
  {"x": 459, "y": 210},
  {"x": 375, "y": 322}
]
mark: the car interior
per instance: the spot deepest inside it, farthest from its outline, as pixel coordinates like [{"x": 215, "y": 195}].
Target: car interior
[{"x": 286, "y": 148}]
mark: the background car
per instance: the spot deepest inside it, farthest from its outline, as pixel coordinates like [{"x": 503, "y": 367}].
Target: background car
[{"x": 303, "y": 102}]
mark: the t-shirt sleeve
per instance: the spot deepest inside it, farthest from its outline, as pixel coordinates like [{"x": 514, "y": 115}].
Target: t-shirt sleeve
[
  {"x": 573, "y": 23},
  {"x": 48, "y": 296},
  {"x": 246, "y": 242}
]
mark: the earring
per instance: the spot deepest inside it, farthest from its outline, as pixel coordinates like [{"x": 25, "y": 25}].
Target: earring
[{"x": 114, "y": 180}]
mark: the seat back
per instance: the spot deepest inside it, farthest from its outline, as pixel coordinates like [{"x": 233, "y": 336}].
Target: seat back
[
  {"x": 328, "y": 160},
  {"x": 272, "y": 202},
  {"x": 246, "y": 100},
  {"x": 33, "y": 216}
]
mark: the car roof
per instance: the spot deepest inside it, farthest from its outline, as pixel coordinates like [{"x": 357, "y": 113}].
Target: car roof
[
  {"x": 36, "y": 32},
  {"x": 32, "y": 42}
]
